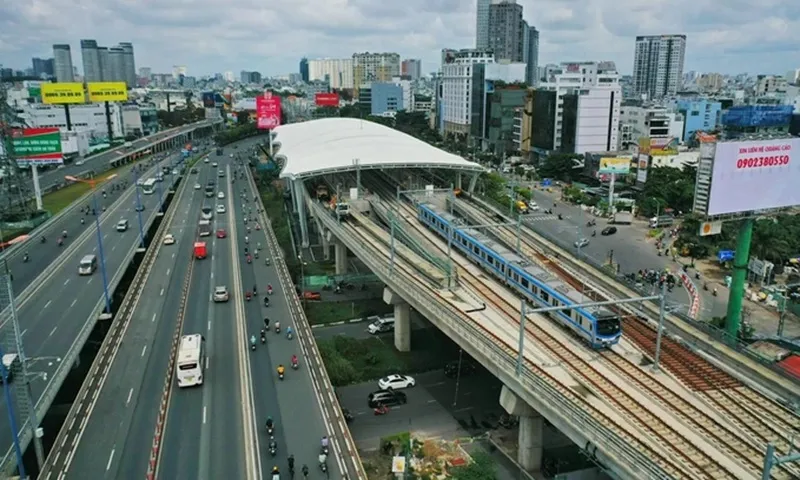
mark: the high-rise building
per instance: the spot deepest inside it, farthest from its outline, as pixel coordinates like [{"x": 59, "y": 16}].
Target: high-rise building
[
  {"x": 116, "y": 64},
  {"x": 456, "y": 89},
  {"x": 43, "y": 67},
  {"x": 62, "y": 63},
  {"x": 105, "y": 64},
  {"x": 482, "y": 24},
  {"x": 128, "y": 64},
  {"x": 374, "y": 67},
  {"x": 304, "y": 69},
  {"x": 506, "y": 37},
  {"x": 531, "y": 55},
  {"x": 337, "y": 72},
  {"x": 411, "y": 67},
  {"x": 658, "y": 65},
  {"x": 250, "y": 77},
  {"x": 92, "y": 69}
]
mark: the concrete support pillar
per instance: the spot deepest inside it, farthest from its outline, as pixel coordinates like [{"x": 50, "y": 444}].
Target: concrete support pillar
[
  {"x": 340, "y": 252},
  {"x": 402, "y": 320},
  {"x": 301, "y": 211},
  {"x": 472, "y": 182},
  {"x": 326, "y": 242},
  {"x": 458, "y": 180},
  {"x": 531, "y": 429}
]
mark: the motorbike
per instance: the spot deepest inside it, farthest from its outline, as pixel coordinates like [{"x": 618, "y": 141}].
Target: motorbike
[
  {"x": 295, "y": 365},
  {"x": 26, "y": 258},
  {"x": 323, "y": 466},
  {"x": 277, "y": 328},
  {"x": 263, "y": 339},
  {"x": 289, "y": 335},
  {"x": 253, "y": 347},
  {"x": 249, "y": 259},
  {"x": 714, "y": 292},
  {"x": 43, "y": 240},
  {"x": 273, "y": 450},
  {"x": 247, "y": 295},
  {"x": 324, "y": 450},
  {"x": 270, "y": 429},
  {"x": 381, "y": 410},
  {"x": 266, "y": 301},
  {"x": 266, "y": 261},
  {"x": 256, "y": 253},
  {"x": 348, "y": 417},
  {"x": 280, "y": 376},
  {"x": 60, "y": 242},
  {"x": 269, "y": 291}
]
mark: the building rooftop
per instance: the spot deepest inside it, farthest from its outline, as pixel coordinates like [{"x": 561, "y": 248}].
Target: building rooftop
[{"x": 331, "y": 145}]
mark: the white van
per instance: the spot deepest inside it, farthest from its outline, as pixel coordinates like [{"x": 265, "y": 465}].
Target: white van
[
  {"x": 381, "y": 325},
  {"x": 88, "y": 265},
  {"x": 11, "y": 363}
]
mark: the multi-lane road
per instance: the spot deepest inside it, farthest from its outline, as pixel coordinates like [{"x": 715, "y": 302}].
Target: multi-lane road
[
  {"x": 56, "y": 307},
  {"x": 215, "y": 430}
]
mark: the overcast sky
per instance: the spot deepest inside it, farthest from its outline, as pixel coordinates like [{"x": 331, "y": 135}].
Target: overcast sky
[{"x": 270, "y": 36}]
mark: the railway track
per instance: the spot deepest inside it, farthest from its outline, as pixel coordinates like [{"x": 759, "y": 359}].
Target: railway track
[
  {"x": 672, "y": 468},
  {"x": 757, "y": 416},
  {"x": 701, "y": 464}
]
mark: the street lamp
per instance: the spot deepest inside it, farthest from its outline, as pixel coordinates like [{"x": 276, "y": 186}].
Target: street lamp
[
  {"x": 93, "y": 184},
  {"x": 139, "y": 207}
]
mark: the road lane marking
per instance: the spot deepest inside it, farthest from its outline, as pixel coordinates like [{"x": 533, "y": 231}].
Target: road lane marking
[
  {"x": 162, "y": 292},
  {"x": 169, "y": 270},
  {"x": 90, "y": 280},
  {"x": 105, "y": 236},
  {"x": 110, "y": 459},
  {"x": 53, "y": 331},
  {"x": 23, "y": 333},
  {"x": 144, "y": 349},
  {"x": 113, "y": 248},
  {"x": 206, "y": 363},
  {"x": 204, "y": 414},
  {"x": 66, "y": 282},
  {"x": 130, "y": 394},
  {"x": 209, "y": 326},
  {"x": 154, "y": 318},
  {"x": 73, "y": 303},
  {"x": 94, "y": 249},
  {"x": 173, "y": 255},
  {"x": 48, "y": 303}
]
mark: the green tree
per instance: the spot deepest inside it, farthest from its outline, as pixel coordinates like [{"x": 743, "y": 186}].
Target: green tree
[
  {"x": 237, "y": 133},
  {"x": 667, "y": 187},
  {"x": 561, "y": 166}
]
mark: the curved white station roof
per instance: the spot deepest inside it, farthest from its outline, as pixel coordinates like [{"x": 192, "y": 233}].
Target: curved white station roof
[{"x": 329, "y": 145}]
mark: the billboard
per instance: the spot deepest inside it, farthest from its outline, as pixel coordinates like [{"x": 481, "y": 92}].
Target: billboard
[
  {"x": 615, "y": 165},
  {"x": 208, "y": 100},
  {"x": 326, "y": 99},
  {"x": 107, "y": 91},
  {"x": 660, "y": 147},
  {"x": 643, "y": 163},
  {"x": 37, "y": 146},
  {"x": 644, "y": 145},
  {"x": 755, "y": 175},
  {"x": 268, "y": 111},
  {"x": 63, "y": 93}
]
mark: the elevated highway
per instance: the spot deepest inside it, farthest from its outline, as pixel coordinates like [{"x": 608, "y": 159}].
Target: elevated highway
[
  {"x": 628, "y": 432},
  {"x": 59, "y": 308}
]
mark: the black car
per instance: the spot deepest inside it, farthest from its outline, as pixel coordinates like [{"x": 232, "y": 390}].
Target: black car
[
  {"x": 389, "y": 398},
  {"x": 609, "y": 231},
  {"x": 467, "y": 368}
]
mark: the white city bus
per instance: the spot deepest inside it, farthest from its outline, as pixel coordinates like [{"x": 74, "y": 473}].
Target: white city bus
[
  {"x": 191, "y": 358},
  {"x": 149, "y": 186}
]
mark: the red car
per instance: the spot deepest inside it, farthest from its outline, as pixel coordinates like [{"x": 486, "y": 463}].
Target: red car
[{"x": 221, "y": 233}]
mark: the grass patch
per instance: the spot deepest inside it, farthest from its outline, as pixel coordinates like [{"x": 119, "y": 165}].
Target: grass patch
[
  {"x": 321, "y": 313},
  {"x": 60, "y": 199},
  {"x": 353, "y": 360}
]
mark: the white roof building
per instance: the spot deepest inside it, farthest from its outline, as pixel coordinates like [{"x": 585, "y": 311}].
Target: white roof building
[{"x": 331, "y": 145}]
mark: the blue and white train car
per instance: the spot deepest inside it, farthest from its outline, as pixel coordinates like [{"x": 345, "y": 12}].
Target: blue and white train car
[{"x": 598, "y": 326}]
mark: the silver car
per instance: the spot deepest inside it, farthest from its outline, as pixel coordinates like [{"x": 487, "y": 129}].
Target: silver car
[{"x": 221, "y": 293}]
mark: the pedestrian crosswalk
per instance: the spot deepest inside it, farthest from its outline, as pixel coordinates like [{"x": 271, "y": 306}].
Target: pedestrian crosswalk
[{"x": 543, "y": 217}]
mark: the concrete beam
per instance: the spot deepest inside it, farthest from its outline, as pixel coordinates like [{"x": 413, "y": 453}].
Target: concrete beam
[{"x": 402, "y": 320}]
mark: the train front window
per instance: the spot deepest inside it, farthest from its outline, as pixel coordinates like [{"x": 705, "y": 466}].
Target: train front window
[{"x": 608, "y": 326}]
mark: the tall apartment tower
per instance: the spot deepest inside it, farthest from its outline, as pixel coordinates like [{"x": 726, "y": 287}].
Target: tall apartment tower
[
  {"x": 105, "y": 64},
  {"x": 531, "y": 55},
  {"x": 412, "y": 67},
  {"x": 482, "y": 24},
  {"x": 506, "y": 30},
  {"x": 116, "y": 64},
  {"x": 62, "y": 63},
  {"x": 92, "y": 68},
  {"x": 658, "y": 65},
  {"x": 304, "y": 69},
  {"x": 375, "y": 67},
  {"x": 128, "y": 69}
]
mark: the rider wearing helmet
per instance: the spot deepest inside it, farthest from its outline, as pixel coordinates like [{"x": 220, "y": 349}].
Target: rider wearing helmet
[
  {"x": 294, "y": 359},
  {"x": 281, "y": 370},
  {"x": 252, "y": 339},
  {"x": 269, "y": 422}
]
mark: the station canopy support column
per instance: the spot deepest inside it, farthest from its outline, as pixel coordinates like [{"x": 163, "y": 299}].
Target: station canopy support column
[
  {"x": 301, "y": 211},
  {"x": 733, "y": 315},
  {"x": 402, "y": 320}
]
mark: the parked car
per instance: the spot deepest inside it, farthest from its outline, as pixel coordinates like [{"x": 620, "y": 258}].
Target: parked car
[
  {"x": 389, "y": 398},
  {"x": 396, "y": 381},
  {"x": 381, "y": 325},
  {"x": 312, "y": 296}
]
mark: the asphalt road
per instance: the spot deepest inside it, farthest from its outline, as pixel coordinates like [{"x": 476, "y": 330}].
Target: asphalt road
[
  {"x": 292, "y": 403},
  {"x": 52, "y": 318},
  {"x": 121, "y": 425},
  {"x": 42, "y": 254},
  {"x": 100, "y": 162}
]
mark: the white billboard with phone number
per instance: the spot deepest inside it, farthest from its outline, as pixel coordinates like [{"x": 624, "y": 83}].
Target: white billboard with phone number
[{"x": 755, "y": 175}]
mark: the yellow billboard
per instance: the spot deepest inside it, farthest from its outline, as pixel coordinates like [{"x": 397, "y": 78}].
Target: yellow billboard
[
  {"x": 63, "y": 93},
  {"x": 616, "y": 165},
  {"x": 108, "y": 92}
]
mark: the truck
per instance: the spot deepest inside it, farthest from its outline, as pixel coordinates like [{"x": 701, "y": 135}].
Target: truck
[
  {"x": 662, "y": 221},
  {"x": 204, "y": 228},
  {"x": 622, "y": 217},
  {"x": 200, "y": 251}
]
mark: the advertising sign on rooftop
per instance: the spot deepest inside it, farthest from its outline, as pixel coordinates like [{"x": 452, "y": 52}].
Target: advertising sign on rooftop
[
  {"x": 107, "y": 91},
  {"x": 208, "y": 100},
  {"x": 268, "y": 111},
  {"x": 326, "y": 99},
  {"x": 615, "y": 165},
  {"x": 661, "y": 147},
  {"x": 755, "y": 175},
  {"x": 37, "y": 146},
  {"x": 63, "y": 93}
]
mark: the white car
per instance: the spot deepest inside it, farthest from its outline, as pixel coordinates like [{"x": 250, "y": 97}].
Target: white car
[
  {"x": 169, "y": 239},
  {"x": 197, "y": 186},
  {"x": 221, "y": 293},
  {"x": 395, "y": 382},
  {"x": 220, "y": 208},
  {"x": 205, "y": 160},
  {"x": 221, "y": 195},
  {"x": 214, "y": 164}
]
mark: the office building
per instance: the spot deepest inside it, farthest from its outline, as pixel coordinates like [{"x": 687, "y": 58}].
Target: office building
[
  {"x": 456, "y": 89},
  {"x": 116, "y": 65},
  {"x": 412, "y": 68},
  {"x": 128, "y": 64},
  {"x": 482, "y": 24},
  {"x": 743, "y": 120},
  {"x": 105, "y": 64},
  {"x": 250, "y": 77},
  {"x": 304, "y": 70},
  {"x": 699, "y": 115},
  {"x": 43, "y": 67},
  {"x": 658, "y": 65},
  {"x": 92, "y": 69},
  {"x": 648, "y": 121},
  {"x": 531, "y": 50},
  {"x": 374, "y": 67},
  {"x": 90, "y": 117},
  {"x": 337, "y": 72},
  {"x": 710, "y": 82},
  {"x": 587, "y": 109},
  {"x": 386, "y": 98},
  {"x": 767, "y": 85},
  {"x": 506, "y": 37},
  {"x": 62, "y": 63}
]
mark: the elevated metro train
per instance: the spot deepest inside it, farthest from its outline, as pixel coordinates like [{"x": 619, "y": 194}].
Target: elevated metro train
[{"x": 598, "y": 326}]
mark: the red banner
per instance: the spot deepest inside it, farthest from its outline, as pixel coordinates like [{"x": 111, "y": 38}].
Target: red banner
[
  {"x": 326, "y": 99},
  {"x": 268, "y": 111}
]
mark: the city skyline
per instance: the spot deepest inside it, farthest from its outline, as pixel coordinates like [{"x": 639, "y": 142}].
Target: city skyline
[{"x": 213, "y": 37}]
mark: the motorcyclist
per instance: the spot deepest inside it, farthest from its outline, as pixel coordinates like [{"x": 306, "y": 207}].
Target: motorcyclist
[
  {"x": 304, "y": 470},
  {"x": 289, "y": 331},
  {"x": 246, "y": 239},
  {"x": 83, "y": 220},
  {"x": 266, "y": 301},
  {"x": 255, "y": 289},
  {"x": 325, "y": 442},
  {"x": 277, "y": 326},
  {"x": 266, "y": 323},
  {"x": 294, "y": 359},
  {"x": 273, "y": 445},
  {"x": 269, "y": 288},
  {"x": 322, "y": 459},
  {"x": 252, "y": 340},
  {"x": 276, "y": 474},
  {"x": 290, "y": 460},
  {"x": 269, "y": 423},
  {"x": 25, "y": 258},
  {"x": 43, "y": 240},
  {"x": 281, "y": 369},
  {"x": 258, "y": 245},
  {"x": 64, "y": 234},
  {"x": 60, "y": 241}
]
